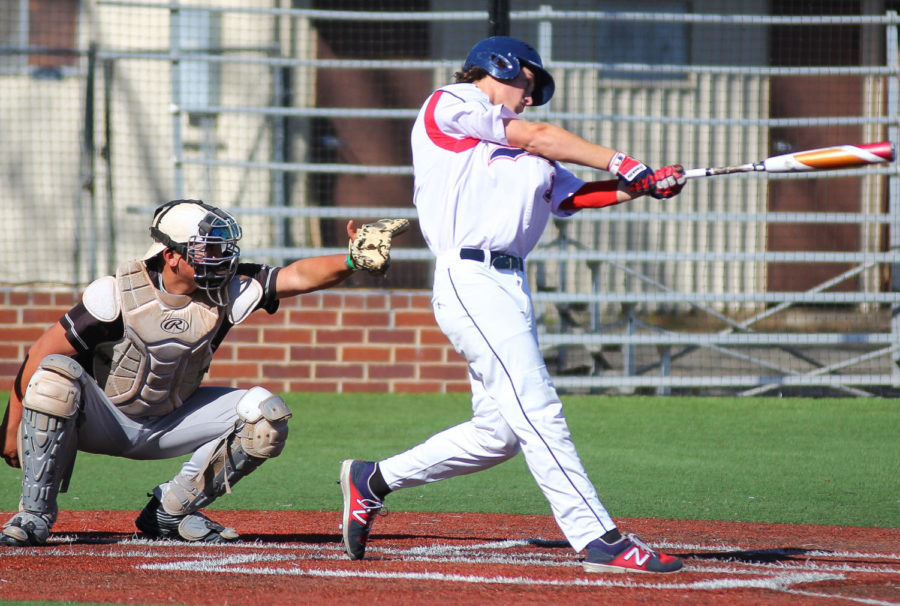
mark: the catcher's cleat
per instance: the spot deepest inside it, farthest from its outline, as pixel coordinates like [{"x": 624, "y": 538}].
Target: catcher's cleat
[
  {"x": 628, "y": 554},
  {"x": 24, "y": 530},
  {"x": 156, "y": 523},
  {"x": 360, "y": 506}
]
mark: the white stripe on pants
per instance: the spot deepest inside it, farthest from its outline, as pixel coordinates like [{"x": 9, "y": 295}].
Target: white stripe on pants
[{"x": 487, "y": 315}]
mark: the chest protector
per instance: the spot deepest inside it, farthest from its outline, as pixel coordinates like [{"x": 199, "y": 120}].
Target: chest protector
[{"x": 166, "y": 348}]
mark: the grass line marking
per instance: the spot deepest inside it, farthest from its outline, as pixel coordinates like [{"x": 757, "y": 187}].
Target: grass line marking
[
  {"x": 778, "y": 583},
  {"x": 841, "y": 597}
]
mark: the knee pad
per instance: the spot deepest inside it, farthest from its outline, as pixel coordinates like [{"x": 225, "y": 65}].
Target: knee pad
[
  {"x": 265, "y": 427},
  {"x": 259, "y": 435},
  {"x": 55, "y": 387}
]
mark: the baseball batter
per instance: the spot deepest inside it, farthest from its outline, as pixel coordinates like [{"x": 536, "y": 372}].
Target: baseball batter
[
  {"x": 120, "y": 373},
  {"x": 486, "y": 184}
]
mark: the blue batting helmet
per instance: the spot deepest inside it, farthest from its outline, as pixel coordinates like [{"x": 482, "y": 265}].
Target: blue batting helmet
[{"x": 503, "y": 58}]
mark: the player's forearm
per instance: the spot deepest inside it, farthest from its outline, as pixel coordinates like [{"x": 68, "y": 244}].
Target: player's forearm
[
  {"x": 12, "y": 418},
  {"x": 597, "y": 194},
  {"x": 9, "y": 431},
  {"x": 558, "y": 144},
  {"x": 314, "y": 273}
]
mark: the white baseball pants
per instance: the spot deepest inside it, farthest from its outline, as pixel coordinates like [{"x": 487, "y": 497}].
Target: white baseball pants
[
  {"x": 488, "y": 316},
  {"x": 195, "y": 427}
]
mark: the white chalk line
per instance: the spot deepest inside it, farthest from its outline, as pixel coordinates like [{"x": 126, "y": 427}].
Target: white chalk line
[
  {"x": 814, "y": 594},
  {"x": 444, "y": 548},
  {"x": 187, "y": 559},
  {"x": 207, "y": 563},
  {"x": 778, "y": 583},
  {"x": 485, "y": 552},
  {"x": 779, "y": 576}
]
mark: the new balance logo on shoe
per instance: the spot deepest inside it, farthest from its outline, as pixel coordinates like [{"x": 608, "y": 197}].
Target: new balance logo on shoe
[
  {"x": 361, "y": 515},
  {"x": 629, "y": 554},
  {"x": 640, "y": 557}
]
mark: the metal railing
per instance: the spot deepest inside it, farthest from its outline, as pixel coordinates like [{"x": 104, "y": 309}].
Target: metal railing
[{"x": 636, "y": 278}]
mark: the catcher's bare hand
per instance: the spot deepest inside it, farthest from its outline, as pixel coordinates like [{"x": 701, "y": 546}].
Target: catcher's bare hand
[
  {"x": 8, "y": 443},
  {"x": 371, "y": 248}
]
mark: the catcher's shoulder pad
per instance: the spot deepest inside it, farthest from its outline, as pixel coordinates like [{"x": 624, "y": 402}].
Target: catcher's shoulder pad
[
  {"x": 101, "y": 299},
  {"x": 244, "y": 295}
]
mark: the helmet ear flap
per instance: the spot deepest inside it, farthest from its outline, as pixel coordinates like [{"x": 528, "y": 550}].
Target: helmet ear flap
[{"x": 505, "y": 68}]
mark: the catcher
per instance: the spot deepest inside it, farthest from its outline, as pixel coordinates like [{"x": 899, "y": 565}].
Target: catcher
[{"x": 120, "y": 373}]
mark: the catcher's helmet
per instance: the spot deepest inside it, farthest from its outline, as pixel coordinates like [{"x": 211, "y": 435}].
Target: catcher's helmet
[
  {"x": 503, "y": 58},
  {"x": 205, "y": 236}
]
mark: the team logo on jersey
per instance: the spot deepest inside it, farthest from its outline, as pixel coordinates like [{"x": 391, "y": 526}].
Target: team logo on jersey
[
  {"x": 510, "y": 153},
  {"x": 175, "y": 326}
]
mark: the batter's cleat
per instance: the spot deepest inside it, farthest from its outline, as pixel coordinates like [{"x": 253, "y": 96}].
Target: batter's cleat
[
  {"x": 360, "y": 506},
  {"x": 24, "y": 530},
  {"x": 628, "y": 554},
  {"x": 156, "y": 523}
]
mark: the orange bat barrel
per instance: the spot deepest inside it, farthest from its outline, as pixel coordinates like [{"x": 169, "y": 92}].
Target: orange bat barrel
[{"x": 826, "y": 158}]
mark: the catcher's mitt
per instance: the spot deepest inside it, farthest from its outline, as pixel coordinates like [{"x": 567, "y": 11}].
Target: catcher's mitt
[{"x": 371, "y": 248}]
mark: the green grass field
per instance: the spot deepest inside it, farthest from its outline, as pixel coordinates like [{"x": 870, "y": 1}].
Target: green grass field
[{"x": 818, "y": 461}]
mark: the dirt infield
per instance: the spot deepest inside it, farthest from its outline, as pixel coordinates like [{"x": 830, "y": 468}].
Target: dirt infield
[{"x": 295, "y": 557}]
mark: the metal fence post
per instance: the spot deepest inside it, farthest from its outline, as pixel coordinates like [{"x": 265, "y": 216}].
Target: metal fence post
[
  {"x": 175, "y": 107},
  {"x": 891, "y": 59},
  {"x": 498, "y": 17}
]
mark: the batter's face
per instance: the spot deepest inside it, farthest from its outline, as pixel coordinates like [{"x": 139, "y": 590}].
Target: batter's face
[{"x": 514, "y": 94}]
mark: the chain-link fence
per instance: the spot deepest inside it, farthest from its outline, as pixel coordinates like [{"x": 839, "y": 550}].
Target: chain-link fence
[{"x": 296, "y": 117}]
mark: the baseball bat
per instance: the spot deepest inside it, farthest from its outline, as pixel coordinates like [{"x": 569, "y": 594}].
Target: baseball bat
[{"x": 824, "y": 158}]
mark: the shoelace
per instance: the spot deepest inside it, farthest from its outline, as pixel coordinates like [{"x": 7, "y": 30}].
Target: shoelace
[
  {"x": 634, "y": 539},
  {"x": 373, "y": 508}
]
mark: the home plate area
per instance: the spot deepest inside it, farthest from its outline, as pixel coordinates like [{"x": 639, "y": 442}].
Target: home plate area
[{"x": 290, "y": 557}]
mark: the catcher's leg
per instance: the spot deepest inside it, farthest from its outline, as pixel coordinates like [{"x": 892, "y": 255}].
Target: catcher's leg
[
  {"x": 259, "y": 434},
  {"x": 48, "y": 445}
]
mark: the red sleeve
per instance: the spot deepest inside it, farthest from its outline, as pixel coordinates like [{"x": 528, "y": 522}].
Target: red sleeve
[{"x": 596, "y": 194}]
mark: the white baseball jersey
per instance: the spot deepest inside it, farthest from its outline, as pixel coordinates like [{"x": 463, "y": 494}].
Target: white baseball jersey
[{"x": 473, "y": 190}]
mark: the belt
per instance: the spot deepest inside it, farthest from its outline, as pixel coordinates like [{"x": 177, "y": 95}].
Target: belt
[{"x": 498, "y": 260}]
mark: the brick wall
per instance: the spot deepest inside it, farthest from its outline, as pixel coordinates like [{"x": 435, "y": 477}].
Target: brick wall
[{"x": 338, "y": 340}]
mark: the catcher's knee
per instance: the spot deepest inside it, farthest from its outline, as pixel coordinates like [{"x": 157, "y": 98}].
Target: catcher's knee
[
  {"x": 260, "y": 435},
  {"x": 55, "y": 387},
  {"x": 265, "y": 423}
]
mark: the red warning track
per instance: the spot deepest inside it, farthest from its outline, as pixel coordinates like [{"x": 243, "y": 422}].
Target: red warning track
[{"x": 291, "y": 557}]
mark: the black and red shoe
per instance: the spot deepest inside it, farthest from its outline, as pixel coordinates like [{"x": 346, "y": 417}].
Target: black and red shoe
[
  {"x": 628, "y": 554},
  {"x": 360, "y": 506}
]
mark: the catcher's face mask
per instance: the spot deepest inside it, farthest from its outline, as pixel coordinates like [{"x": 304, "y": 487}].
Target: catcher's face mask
[{"x": 211, "y": 249}]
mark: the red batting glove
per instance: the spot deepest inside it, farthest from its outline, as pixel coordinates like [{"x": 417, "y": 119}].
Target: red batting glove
[
  {"x": 637, "y": 176},
  {"x": 669, "y": 181}
]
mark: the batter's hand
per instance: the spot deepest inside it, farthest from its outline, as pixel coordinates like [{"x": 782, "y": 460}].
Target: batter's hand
[
  {"x": 669, "y": 181},
  {"x": 370, "y": 249},
  {"x": 637, "y": 177}
]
